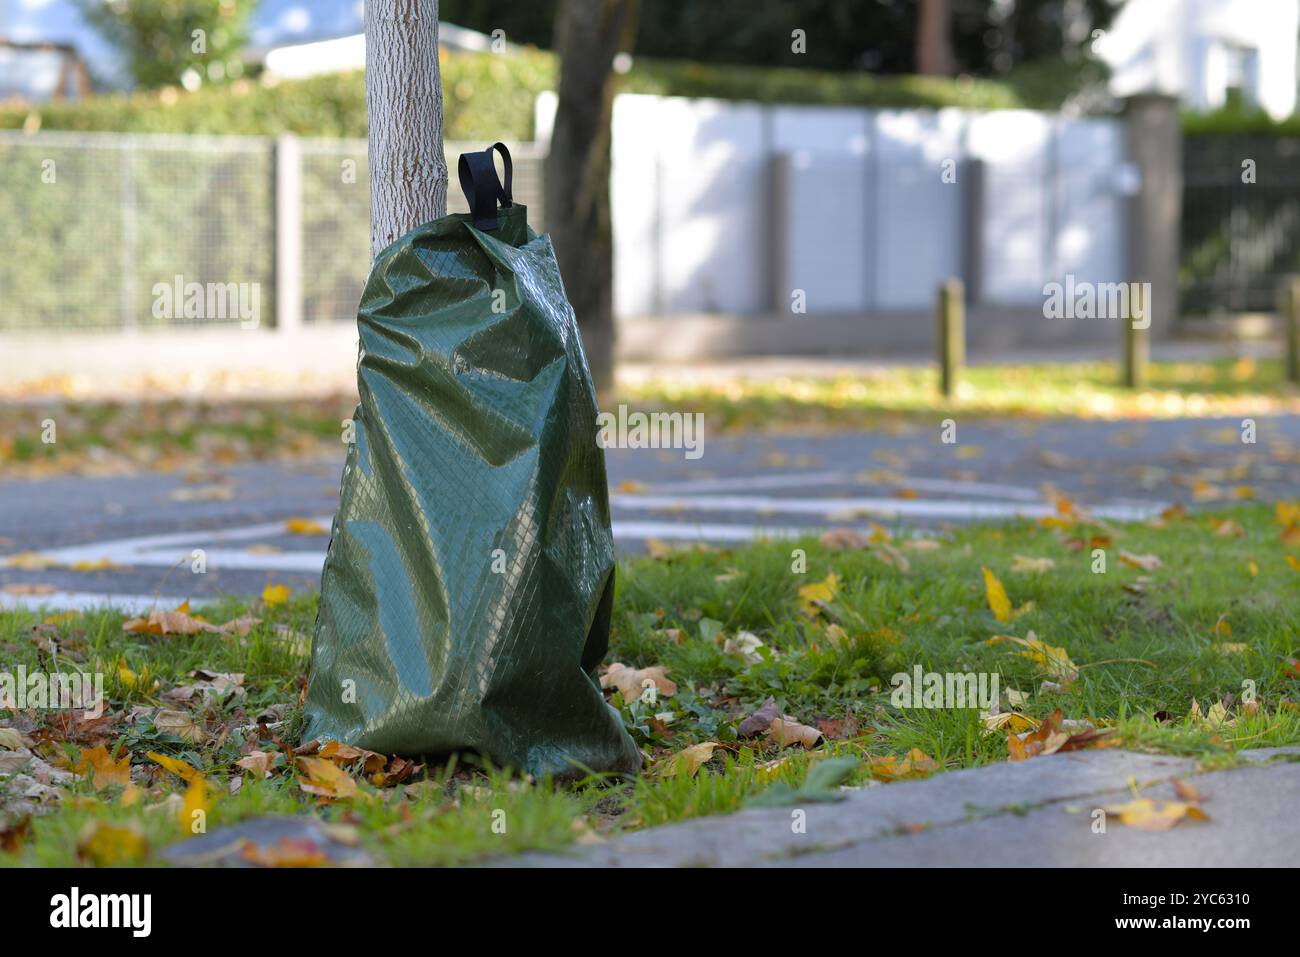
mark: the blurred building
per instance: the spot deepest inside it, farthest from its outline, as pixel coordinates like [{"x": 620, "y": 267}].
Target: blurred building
[
  {"x": 47, "y": 51},
  {"x": 1206, "y": 52}
]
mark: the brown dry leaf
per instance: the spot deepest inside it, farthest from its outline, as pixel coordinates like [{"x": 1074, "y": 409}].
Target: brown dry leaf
[
  {"x": 161, "y": 622},
  {"x": 675, "y": 635},
  {"x": 182, "y": 724},
  {"x": 891, "y": 556},
  {"x": 286, "y": 852},
  {"x": 104, "y": 771},
  {"x": 75, "y": 727},
  {"x": 179, "y": 621},
  {"x": 1147, "y": 563},
  {"x": 257, "y": 763},
  {"x": 1031, "y": 566},
  {"x": 786, "y": 730},
  {"x": 761, "y": 720},
  {"x": 687, "y": 762},
  {"x": 28, "y": 588},
  {"x": 1047, "y": 738},
  {"x": 839, "y": 729},
  {"x": 631, "y": 682},
  {"x": 1054, "y": 735},
  {"x": 745, "y": 645},
  {"x": 326, "y": 780},
  {"x": 239, "y": 627},
  {"x": 1185, "y": 791},
  {"x": 916, "y": 764},
  {"x": 1227, "y": 528},
  {"x": 1148, "y": 815},
  {"x": 923, "y": 544},
  {"x": 341, "y": 754},
  {"x": 207, "y": 684}
]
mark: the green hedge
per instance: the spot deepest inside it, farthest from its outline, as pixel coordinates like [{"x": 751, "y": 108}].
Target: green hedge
[
  {"x": 1239, "y": 120},
  {"x": 487, "y": 95}
]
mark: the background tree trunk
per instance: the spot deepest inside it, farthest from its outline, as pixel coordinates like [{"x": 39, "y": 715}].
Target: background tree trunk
[
  {"x": 408, "y": 174},
  {"x": 934, "y": 38},
  {"x": 588, "y": 33}
]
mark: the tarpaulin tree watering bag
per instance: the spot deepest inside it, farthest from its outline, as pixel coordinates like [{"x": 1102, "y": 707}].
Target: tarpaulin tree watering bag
[{"x": 466, "y": 597}]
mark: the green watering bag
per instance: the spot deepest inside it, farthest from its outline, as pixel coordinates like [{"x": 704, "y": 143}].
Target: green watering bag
[{"x": 466, "y": 596}]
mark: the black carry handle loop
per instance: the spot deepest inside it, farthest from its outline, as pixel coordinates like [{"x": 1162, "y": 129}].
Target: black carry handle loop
[{"x": 482, "y": 187}]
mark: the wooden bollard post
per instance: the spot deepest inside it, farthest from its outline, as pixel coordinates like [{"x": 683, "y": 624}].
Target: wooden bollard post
[
  {"x": 1291, "y": 327},
  {"x": 1137, "y": 351},
  {"x": 952, "y": 334}
]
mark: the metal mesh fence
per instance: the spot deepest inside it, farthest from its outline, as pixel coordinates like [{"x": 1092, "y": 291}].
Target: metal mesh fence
[
  {"x": 1239, "y": 237},
  {"x": 114, "y": 231},
  {"x": 336, "y": 217},
  {"x": 101, "y": 231}
]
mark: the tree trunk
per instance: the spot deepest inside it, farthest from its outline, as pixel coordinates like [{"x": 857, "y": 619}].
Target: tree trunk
[
  {"x": 408, "y": 174},
  {"x": 588, "y": 33},
  {"x": 934, "y": 38}
]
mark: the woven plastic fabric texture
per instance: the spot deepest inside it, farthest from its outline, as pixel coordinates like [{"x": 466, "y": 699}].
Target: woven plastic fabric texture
[{"x": 466, "y": 596}]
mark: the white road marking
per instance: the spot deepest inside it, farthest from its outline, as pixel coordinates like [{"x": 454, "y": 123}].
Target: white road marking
[
  {"x": 812, "y": 479},
  {"x": 174, "y": 549},
  {"x": 87, "y": 601},
  {"x": 890, "y": 507}
]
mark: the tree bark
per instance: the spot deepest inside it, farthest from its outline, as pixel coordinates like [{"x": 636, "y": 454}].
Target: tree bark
[
  {"x": 934, "y": 38},
  {"x": 408, "y": 174},
  {"x": 588, "y": 34}
]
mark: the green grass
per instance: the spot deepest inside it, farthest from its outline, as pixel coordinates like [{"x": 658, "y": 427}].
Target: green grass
[
  {"x": 1216, "y": 622},
  {"x": 907, "y": 393},
  {"x": 171, "y": 433}
]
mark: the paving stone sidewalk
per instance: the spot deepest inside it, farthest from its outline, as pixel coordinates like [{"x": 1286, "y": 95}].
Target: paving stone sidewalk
[{"x": 1036, "y": 813}]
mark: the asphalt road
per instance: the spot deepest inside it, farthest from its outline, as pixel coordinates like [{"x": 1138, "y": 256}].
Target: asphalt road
[{"x": 742, "y": 486}]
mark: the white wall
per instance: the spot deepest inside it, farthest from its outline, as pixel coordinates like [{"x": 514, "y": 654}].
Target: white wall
[
  {"x": 729, "y": 208},
  {"x": 1187, "y": 48}
]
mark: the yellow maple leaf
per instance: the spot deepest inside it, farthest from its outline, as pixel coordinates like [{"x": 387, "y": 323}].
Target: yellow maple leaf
[
  {"x": 822, "y": 591},
  {"x": 30, "y": 561},
  {"x": 97, "y": 565},
  {"x": 197, "y": 802},
  {"x": 1049, "y": 658},
  {"x": 1148, "y": 815},
  {"x": 304, "y": 526},
  {"x": 273, "y": 595},
  {"x": 999, "y": 603},
  {"x": 182, "y": 769}
]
